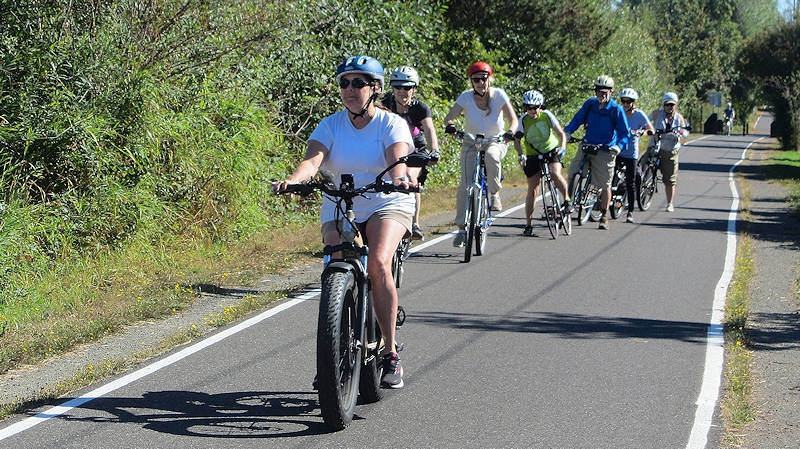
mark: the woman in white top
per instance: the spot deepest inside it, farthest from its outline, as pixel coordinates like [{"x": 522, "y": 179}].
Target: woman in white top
[
  {"x": 486, "y": 110},
  {"x": 363, "y": 140}
]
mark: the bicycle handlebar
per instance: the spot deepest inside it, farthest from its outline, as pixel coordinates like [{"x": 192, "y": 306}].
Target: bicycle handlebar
[
  {"x": 304, "y": 189},
  {"x": 591, "y": 145}
]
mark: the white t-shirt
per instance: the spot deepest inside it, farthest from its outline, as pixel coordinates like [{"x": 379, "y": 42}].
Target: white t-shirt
[
  {"x": 362, "y": 153},
  {"x": 476, "y": 120}
]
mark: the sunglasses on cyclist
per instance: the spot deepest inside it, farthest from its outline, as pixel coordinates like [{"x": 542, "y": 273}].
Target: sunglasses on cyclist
[
  {"x": 605, "y": 91},
  {"x": 357, "y": 83},
  {"x": 479, "y": 79},
  {"x": 626, "y": 101},
  {"x": 532, "y": 107},
  {"x": 405, "y": 88}
]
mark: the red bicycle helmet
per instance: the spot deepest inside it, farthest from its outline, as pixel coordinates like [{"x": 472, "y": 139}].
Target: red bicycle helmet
[{"x": 479, "y": 67}]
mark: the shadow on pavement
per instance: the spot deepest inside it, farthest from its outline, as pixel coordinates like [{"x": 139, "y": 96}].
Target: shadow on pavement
[
  {"x": 569, "y": 325},
  {"x": 775, "y": 331},
  {"x": 256, "y": 414}
]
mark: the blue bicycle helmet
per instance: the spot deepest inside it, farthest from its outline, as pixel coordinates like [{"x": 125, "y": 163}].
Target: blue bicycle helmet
[{"x": 366, "y": 65}]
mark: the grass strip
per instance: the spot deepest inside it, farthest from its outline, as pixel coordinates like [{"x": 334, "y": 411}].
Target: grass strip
[{"x": 737, "y": 408}]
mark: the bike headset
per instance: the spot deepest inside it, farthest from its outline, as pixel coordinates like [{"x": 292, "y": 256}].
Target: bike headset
[
  {"x": 480, "y": 67},
  {"x": 365, "y": 65}
]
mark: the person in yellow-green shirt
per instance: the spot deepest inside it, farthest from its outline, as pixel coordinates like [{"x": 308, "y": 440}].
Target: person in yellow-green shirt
[{"x": 539, "y": 134}]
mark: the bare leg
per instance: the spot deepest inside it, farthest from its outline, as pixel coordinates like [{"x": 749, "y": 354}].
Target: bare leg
[
  {"x": 383, "y": 237},
  {"x": 605, "y": 199},
  {"x": 530, "y": 199},
  {"x": 669, "y": 190}
]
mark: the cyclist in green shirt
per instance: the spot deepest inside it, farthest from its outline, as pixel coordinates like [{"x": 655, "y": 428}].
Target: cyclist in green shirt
[{"x": 539, "y": 133}]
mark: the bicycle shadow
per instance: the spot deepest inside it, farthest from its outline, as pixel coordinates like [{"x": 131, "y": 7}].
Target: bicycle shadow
[
  {"x": 573, "y": 326},
  {"x": 256, "y": 414}
]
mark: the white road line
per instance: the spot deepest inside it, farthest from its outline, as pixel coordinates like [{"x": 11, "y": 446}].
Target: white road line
[
  {"x": 450, "y": 235},
  {"x": 123, "y": 381},
  {"x": 149, "y": 369},
  {"x": 715, "y": 350}
]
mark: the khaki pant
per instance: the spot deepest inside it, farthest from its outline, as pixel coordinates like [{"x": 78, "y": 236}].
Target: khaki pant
[
  {"x": 495, "y": 152},
  {"x": 602, "y": 165}
]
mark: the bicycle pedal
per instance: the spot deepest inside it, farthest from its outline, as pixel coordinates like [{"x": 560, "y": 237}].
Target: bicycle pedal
[
  {"x": 399, "y": 346},
  {"x": 401, "y": 316}
]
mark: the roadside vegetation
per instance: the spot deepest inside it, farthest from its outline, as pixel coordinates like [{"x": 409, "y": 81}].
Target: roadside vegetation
[{"x": 137, "y": 139}]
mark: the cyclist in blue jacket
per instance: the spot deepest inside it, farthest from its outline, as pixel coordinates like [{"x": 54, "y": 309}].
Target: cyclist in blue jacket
[{"x": 606, "y": 125}]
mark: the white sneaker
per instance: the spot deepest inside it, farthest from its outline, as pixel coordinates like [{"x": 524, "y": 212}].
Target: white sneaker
[
  {"x": 497, "y": 206},
  {"x": 670, "y": 208},
  {"x": 460, "y": 238}
]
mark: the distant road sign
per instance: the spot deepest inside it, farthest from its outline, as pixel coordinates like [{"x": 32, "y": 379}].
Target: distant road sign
[{"x": 714, "y": 98}]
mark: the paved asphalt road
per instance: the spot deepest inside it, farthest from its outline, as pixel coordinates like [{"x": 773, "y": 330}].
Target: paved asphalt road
[{"x": 596, "y": 340}]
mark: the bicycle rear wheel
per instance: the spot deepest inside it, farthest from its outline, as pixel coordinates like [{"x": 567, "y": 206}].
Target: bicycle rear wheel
[
  {"x": 618, "y": 196},
  {"x": 481, "y": 227},
  {"x": 647, "y": 189},
  {"x": 471, "y": 220},
  {"x": 550, "y": 205},
  {"x": 338, "y": 353},
  {"x": 372, "y": 371}
]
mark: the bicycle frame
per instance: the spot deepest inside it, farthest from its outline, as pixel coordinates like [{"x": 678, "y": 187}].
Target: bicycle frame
[{"x": 585, "y": 195}]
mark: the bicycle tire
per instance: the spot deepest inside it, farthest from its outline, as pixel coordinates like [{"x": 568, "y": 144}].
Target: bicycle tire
[
  {"x": 397, "y": 266},
  {"x": 370, "y": 383},
  {"x": 470, "y": 228},
  {"x": 338, "y": 355},
  {"x": 566, "y": 223},
  {"x": 617, "y": 197},
  {"x": 588, "y": 200},
  {"x": 647, "y": 189},
  {"x": 480, "y": 225},
  {"x": 575, "y": 192},
  {"x": 550, "y": 206}
]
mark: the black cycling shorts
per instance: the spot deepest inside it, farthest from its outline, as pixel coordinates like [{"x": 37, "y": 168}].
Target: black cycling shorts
[{"x": 533, "y": 165}]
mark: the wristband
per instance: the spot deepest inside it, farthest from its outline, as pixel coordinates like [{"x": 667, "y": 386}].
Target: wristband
[{"x": 401, "y": 178}]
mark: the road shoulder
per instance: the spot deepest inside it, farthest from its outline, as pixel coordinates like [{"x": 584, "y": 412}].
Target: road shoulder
[{"x": 774, "y": 319}]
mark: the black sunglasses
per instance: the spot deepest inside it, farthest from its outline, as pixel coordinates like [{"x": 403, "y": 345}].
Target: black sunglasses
[
  {"x": 532, "y": 107},
  {"x": 405, "y": 88},
  {"x": 357, "y": 83},
  {"x": 626, "y": 100},
  {"x": 483, "y": 78}
]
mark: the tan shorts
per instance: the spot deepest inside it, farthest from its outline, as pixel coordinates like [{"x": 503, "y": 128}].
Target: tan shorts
[
  {"x": 404, "y": 218},
  {"x": 602, "y": 167},
  {"x": 669, "y": 167}
]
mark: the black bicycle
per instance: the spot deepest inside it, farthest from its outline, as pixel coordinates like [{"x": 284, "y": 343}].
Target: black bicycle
[
  {"x": 584, "y": 195},
  {"x": 651, "y": 162},
  {"x": 349, "y": 341},
  {"x": 552, "y": 201}
]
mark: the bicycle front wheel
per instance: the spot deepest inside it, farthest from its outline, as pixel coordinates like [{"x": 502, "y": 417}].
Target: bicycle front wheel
[
  {"x": 588, "y": 198},
  {"x": 471, "y": 221},
  {"x": 647, "y": 188},
  {"x": 338, "y": 353},
  {"x": 371, "y": 373},
  {"x": 550, "y": 205},
  {"x": 481, "y": 225}
]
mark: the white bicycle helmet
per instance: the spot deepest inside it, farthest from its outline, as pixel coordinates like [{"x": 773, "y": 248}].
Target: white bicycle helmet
[
  {"x": 670, "y": 97},
  {"x": 629, "y": 93},
  {"x": 533, "y": 97},
  {"x": 729, "y": 105},
  {"x": 404, "y": 76},
  {"x": 604, "y": 82}
]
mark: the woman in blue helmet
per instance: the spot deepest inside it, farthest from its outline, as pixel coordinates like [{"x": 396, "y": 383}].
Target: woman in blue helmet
[{"x": 362, "y": 140}]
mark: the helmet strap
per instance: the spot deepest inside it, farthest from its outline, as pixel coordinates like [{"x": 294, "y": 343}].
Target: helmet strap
[{"x": 365, "y": 108}]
